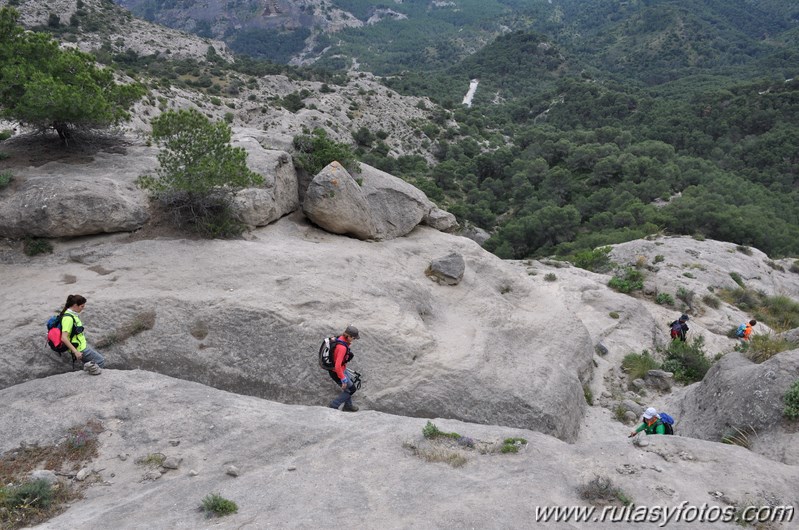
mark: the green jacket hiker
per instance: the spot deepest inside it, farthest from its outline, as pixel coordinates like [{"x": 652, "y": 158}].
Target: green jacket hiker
[{"x": 651, "y": 423}]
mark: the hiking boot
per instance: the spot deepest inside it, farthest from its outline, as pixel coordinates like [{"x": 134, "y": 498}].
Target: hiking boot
[
  {"x": 350, "y": 408},
  {"x": 92, "y": 368}
]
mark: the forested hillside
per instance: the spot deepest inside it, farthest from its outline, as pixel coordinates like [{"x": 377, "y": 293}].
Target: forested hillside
[{"x": 595, "y": 121}]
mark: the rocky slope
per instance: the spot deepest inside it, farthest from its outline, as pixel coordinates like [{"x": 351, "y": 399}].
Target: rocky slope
[{"x": 310, "y": 467}]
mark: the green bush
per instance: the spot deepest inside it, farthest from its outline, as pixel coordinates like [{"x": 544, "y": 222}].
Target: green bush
[
  {"x": 664, "y": 299},
  {"x": 57, "y": 88},
  {"x": 5, "y": 178},
  {"x": 687, "y": 360},
  {"x": 550, "y": 277},
  {"x": 313, "y": 152},
  {"x": 431, "y": 431},
  {"x": 636, "y": 365},
  {"x": 596, "y": 260},
  {"x": 711, "y": 301},
  {"x": 737, "y": 278},
  {"x": 627, "y": 280},
  {"x": 214, "y": 505},
  {"x": 199, "y": 172},
  {"x": 37, "y": 493},
  {"x": 659, "y": 258},
  {"x": 614, "y": 315},
  {"x": 791, "y": 399},
  {"x": 761, "y": 348},
  {"x": 6, "y": 134},
  {"x": 686, "y": 295},
  {"x": 512, "y": 445},
  {"x": 744, "y": 249},
  {"x": 33, "y": 246}
]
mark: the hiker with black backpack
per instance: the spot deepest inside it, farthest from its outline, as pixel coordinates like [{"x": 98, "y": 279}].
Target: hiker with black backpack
[
  {"x": 654, "y": 423},
  {"x": 679, "y": 328},
  {"x": 341, "y": 355},
  {"x": 73, "y": 338}
]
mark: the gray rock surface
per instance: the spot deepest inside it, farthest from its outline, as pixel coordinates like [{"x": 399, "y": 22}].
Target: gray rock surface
[
  {"x": 395, "y": 488},
  {"x": 278, "y": 196},
  {"x": 68, "y": 200},
  {"x": 440, "y": 220},
  {"x": 447, "y": 270},
  {"x": 248, "y": 316},
  {"x": 660, "y": 380},
  {"x": 397, "y": 207},
  {"x": 738, "y": 396}
]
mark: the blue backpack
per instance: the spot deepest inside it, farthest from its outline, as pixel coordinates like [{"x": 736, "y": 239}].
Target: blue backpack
[{"x": 668, "y": 422}]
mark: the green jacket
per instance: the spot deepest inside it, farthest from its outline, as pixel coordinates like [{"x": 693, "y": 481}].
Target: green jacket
[{"x": 655, "y": 428}]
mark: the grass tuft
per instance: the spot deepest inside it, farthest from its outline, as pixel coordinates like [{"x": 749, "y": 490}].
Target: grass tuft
[
  {"x": 601, "y": 490},
  {"x": 636, "y": 365},
  {"x": 214, "y": 505}
]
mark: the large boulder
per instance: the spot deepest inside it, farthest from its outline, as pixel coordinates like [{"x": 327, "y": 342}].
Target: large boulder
[
  {"x": 397, "y": 206},
  {"x": 66, "y": 200},
  {"x": 440, "y": 220},
  {"x": 372, "y": 204},
  {"x": 335, "y": 202},
  {"x": 278, "y": 196},
  {"x": 743, "y": 401},
  {"x": 249, "y": 317}
]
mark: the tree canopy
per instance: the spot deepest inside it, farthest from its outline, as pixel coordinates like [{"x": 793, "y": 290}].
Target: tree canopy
[{"x": 49, "y": 87}]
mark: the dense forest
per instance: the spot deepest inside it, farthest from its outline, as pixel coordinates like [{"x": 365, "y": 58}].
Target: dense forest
[
  {"x": 595, "y": 121},
  {"x": 617, "y": 120}
]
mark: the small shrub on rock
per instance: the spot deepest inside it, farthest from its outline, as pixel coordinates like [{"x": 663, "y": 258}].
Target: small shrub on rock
[
  {"x": 512, "y": 445},
  {"x": 687, "y": 360},
  {"x": 34, "y": 246},
  {"x": 627, "y": 280},
  {"x": 711, "y": 301},
  {"x": 5, "y": 178},
  {"x": 601, "y": 490},
  {"x": 596, "y": 260},
  {"x": 214, "y": 505},
  {"x": 664, "y": 299},
  {"x": 791, "y": 399},
  {"x": 550, "y": 277},
  {"x": 636, "y": 365},
  {"x": 199, "y": 172},
  {"x": 763, "y": 347}
]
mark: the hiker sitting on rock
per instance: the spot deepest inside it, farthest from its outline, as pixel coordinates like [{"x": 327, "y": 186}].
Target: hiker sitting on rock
[
  {"x": 341, "y": 356},
  {"x": 650, "y": 423},
  {"x": 679, "y": 328},
  {"x": 91, "y": 358}
]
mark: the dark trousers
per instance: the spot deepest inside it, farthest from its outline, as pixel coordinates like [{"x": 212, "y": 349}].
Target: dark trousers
[{"x": 346, "y": 395}]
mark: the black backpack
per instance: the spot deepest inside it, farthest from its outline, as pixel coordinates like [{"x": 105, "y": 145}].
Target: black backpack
[{"x": 326, "y": 360}]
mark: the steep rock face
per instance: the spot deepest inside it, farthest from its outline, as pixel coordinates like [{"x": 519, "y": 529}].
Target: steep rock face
[
  {"x": 248, "y": 316},
  {"x": 741, "y": 399}
]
